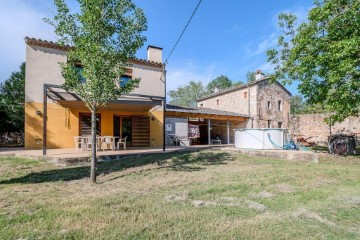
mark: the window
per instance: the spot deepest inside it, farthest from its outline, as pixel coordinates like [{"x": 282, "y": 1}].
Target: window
[
  {"x": 124, "y": 79},
  {"x": 279, "y": 124},
  {"x": 201, "y": 105},
  {"x": 85, "y": 124},
  {"x": 217, "y": 101},
  {"x": 279, "y": 105},
  {"x": 268, "y": 104},
  {"x": 269, "y": 123},
  {"x": 245, "y": 95},
  {"x": 79, "y": 71}
]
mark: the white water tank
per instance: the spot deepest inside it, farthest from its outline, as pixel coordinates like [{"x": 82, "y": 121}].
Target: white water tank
[{"x": 258, "y": 138}]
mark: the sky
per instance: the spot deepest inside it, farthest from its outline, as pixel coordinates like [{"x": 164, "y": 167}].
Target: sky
[{"x": 228, "y": 37}]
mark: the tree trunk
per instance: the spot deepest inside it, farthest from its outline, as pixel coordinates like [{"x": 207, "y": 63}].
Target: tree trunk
[{"x": 93, "y": 146}]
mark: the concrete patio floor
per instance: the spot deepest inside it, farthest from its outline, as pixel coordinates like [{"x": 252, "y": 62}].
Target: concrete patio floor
[{"x": 69, "y": 156}]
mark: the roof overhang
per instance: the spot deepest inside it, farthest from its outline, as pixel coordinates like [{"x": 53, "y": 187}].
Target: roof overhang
[
  {"x": 128, "y": 103},
  {"x": 206, "y": 113}
]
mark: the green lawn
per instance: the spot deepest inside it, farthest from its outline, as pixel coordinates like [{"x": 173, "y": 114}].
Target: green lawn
[{"x": 203, "y": 195}]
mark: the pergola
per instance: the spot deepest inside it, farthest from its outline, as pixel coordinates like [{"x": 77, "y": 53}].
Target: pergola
[
  {"x": 206, "y": 113},
  {"x": 128, "y": 102}
]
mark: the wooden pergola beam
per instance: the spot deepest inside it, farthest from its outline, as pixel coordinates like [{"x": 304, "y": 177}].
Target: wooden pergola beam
[{"x": 206, "y": 116}]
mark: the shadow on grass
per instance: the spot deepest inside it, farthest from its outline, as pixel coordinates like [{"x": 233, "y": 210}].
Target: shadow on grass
[{"x": 173, "y": 161}]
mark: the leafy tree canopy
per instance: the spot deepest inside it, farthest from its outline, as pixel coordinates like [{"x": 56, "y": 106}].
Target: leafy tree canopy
[
  {"x": 221, "y": 82},
  {"x": 299, "y": 106},
  {"x": 324, "y": 55},
  {"x": 12, "y": 98},
  {"x": 104, "y": 36},
  {"x": 187, "y": 95}
]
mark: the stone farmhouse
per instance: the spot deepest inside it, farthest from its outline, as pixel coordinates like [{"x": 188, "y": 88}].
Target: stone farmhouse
[{"x": 267, "y": 104}]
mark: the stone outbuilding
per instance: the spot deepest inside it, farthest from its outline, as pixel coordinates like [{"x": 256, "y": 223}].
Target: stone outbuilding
[{"x": 266, "y": 102}]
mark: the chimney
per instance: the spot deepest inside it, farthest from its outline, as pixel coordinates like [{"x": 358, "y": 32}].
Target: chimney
[
  {"x": 154, "y": 54},
  {"x": 216, "y": 90},
  {"x": 259, "y": 75}
]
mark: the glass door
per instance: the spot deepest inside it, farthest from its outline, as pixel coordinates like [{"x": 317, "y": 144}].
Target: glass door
[{"x": 126, "y": 129}]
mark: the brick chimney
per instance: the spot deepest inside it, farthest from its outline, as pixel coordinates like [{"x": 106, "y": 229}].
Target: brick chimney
[
  {"x": 154, "y": 54},
  {"x": 259, "y": 75}
]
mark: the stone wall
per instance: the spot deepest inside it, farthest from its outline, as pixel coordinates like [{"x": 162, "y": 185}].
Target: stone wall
[
  {"x": 259, "y": 94},
  {"x": 278, "y": 112},
  {"x": 313, "y": 128},
  {"x": 234, "y": 101}
]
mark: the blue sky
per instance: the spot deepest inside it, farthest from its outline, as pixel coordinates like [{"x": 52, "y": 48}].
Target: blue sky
[{"x": 225, "y": 37}]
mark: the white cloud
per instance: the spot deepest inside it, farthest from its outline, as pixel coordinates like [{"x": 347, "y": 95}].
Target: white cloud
[
  {"x": 18, "y": 20},
  {"x": 183, "y": 73},
  {"x": 266, "y": 44}
]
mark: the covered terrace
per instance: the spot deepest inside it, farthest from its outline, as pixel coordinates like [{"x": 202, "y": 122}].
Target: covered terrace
[{"x": 213, "y": 126}]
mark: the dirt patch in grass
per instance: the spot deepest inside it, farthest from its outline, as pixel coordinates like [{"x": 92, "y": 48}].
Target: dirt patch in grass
[
  {"x": 284, "y": 188},
  {"x": 306, "y": 213},
  {"x": 256, "y": 206},
  {"x": 177, "y": 197},
  {"x": 262, "y": 194}
]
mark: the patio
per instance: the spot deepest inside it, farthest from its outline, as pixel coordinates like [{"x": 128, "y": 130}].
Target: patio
[{"x": 69, "y": 156}]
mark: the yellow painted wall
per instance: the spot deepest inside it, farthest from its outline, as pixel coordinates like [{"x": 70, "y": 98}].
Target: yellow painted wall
[{"x": 63, "y": 125}]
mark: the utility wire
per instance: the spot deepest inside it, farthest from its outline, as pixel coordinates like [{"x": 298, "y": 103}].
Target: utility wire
[{"x": 187, "y": 24}]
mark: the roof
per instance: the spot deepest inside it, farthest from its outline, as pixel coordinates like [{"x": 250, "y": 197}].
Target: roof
[
  {"x": 238, "y": 87},
  {"x": 53, "y": 45},
  {"x": 202, "y": 110}
]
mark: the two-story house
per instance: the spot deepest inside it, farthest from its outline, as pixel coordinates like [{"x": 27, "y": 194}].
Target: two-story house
[
  {"x": 138, "y": 115},
  {"x": 267, "y": 103}
]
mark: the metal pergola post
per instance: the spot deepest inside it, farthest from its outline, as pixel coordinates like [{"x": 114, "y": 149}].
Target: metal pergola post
[
  {"x": 209, "y": 132},
  {"x": 228, "y": 132},
  {"x": 44, "y": 118}
]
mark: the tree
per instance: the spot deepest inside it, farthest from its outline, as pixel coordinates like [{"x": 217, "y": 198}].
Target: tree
[
  {"x": 104, "y": 36},
  {"x": 221, "y": 82},
  {"x": 12, "y": 98},
  {"x": 297, "y": 104},
  {"x": 187, "y": 95},
  {"x": 324, "y": 55},
  {"x": 250, "y": 76}
]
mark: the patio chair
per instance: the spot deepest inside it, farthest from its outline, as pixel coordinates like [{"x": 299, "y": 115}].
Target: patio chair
[
  {"x": 80, "y": 143},
  {"x": 122, "y": 141},
  {"x": 88, "y": 144},
  {"x": 108, "y": 141}
]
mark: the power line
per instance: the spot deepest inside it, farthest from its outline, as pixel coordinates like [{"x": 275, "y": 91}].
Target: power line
[{"x": 187, "y": 24}]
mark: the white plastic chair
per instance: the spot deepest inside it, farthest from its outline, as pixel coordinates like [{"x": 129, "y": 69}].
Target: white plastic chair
[
  {"x": 107, "y": 142},
  {"x": 79, "y": 143},
  {"x": 122, "y": 141}
]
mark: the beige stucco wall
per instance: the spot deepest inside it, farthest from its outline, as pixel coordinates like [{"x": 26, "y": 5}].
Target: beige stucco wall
[{"x": 42, "y": 66}]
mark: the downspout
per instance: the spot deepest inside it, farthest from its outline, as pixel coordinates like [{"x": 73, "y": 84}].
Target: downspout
[{"x": 164, "y": 108}]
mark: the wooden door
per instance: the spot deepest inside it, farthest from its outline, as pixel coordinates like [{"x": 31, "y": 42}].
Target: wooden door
[{"x": 140, "y": 131}]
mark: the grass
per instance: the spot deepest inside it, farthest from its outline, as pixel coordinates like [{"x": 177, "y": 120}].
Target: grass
[{"x": 203, "y": 195}]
